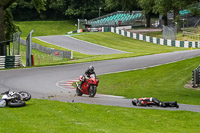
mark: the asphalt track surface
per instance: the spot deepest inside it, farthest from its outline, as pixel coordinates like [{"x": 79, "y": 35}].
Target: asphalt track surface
[
  {"x": 46, "y": 82},
  {"x": 78, "y": 45}
]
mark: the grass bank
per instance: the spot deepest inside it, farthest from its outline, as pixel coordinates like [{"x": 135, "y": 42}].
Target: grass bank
[
  {"x": 46, "y": 28},
  {"x": 165, "y": 82},
  {"x": 119, "y": 42},
  {"x": 41, "y": 116}
]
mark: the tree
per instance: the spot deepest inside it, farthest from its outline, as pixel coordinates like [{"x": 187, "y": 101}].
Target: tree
[
  {"x": 147, "y": 7},
  {"x": 4, "y": 23},
  {"x": 84, "y": 8},
  {"x": 24, "y": 10},
  {"x": 164, "y": 6},
  {"x": 130, "y": 5},
  {"x": 56, "y": 8}
]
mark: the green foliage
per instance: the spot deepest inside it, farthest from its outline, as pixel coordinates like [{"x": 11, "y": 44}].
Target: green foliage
[
  {"x": 84, "y": 8},
  {"x": 10, "y": 28},
  {"x": 110, "y": 5},
  {"x": 24, "y": 10},
  {"x": 146, "y": 5},
  {"x": 39, "y": 4}
]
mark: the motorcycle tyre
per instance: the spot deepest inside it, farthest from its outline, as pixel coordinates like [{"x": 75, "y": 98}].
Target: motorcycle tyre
[
  {"x": 78, "y": 92},
  {"x": 92, "y": 91},
  {"x": 27, "y": 97},
  {"x": 19, "y": 103}
]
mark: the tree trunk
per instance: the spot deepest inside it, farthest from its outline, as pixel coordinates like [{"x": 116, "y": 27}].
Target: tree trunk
[
  {"x": 165, "y": 20},
  {"x": 177, "y": 19},
  {"x": 148, "y": 20},
  {"x": 176, "y": 12},
  {"x": 2, "y": 33}
]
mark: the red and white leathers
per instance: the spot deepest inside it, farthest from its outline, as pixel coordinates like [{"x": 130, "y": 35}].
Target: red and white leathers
[{"x": 148, "y": 101}]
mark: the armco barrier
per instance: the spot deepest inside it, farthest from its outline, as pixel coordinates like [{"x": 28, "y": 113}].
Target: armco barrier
[
  {"x": 196, "y": 77},
  {"x": 2, "y": 61},
  {"x": 175, "y": 43},
  {"x": 10, "y": 61}
]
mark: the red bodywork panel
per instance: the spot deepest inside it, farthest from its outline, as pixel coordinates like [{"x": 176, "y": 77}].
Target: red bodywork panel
[{"x": 87, "y": 84}]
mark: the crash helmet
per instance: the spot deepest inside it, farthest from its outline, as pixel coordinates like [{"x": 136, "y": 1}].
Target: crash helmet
[
  {"x": 2, "y": 103},
  {"x": 91, "y": 69},
  {"x": 135, "y": 101}
]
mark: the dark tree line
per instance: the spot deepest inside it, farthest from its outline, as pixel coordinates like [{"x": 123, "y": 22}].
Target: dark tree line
[{"x": 57, "y": 9}]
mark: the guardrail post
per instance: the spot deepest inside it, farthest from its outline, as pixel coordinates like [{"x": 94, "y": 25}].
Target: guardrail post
[
  {"x": 193, "y": 79},
  {"x": 29, "y": 49}
]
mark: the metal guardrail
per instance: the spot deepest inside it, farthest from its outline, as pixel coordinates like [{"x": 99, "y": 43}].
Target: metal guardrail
[
  {"x": 2, "y": 62},
  {"x": 196, "y": 77},
  {"x": 47, "y": 50}
]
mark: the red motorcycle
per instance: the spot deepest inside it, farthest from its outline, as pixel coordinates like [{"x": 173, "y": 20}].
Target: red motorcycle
[{"x": 89, "y": 87}]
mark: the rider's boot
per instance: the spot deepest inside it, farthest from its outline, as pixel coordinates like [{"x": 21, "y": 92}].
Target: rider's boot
[
  {"x": 175, "y": 104},
  {"x": 80, "y": 86},
  {"x": 172, "y": 104}
]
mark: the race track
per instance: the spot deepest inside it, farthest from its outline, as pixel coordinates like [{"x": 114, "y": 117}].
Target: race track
[
  {"x": 78, "y": 45},
  {"x": 43, "y": 82}
]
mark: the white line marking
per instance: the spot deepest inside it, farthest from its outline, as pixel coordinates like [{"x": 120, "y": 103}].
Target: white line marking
[{"x": 96, "y": 44}]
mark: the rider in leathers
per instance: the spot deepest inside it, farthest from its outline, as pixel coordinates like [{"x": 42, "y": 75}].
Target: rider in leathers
[
  {"x": 87, "y": 74},
  {"x": 153, "y": 101}
]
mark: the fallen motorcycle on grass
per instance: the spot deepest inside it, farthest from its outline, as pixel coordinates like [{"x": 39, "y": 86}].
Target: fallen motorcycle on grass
[{"x": 14, "y": 99}]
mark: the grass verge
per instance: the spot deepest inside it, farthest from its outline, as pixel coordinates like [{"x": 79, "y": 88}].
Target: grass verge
[
  {"x": 165, "y": 82},
  {"x": 41, "y": 116}
]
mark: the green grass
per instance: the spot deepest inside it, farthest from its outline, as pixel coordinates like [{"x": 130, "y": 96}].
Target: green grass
[
  {"x": 44, "y": 116},
  {"x": 119, "y": 42},
  {"x": 40, "y": 57},
  {"x": 111, "y": 40},
  {"x": 179, "y": 36},
  {"x": 45, "y": 28},
  {"x": 165, "y": 82}
]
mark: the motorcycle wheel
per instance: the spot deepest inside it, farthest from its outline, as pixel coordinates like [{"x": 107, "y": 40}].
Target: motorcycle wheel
[
  {"x": 25, "y": 95},
  {"x": 16, "y": 103},
  {"x": 92, "y": 91},
  {"x": 78, "y": 92}
]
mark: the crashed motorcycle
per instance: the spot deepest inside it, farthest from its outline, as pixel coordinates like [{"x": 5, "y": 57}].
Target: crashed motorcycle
[
  {"x": 89, "y": 87},
  {"x": 15, "y": 99}
]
